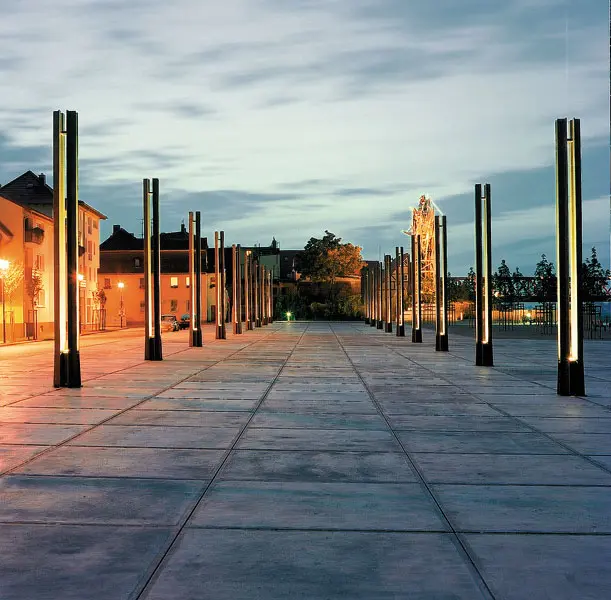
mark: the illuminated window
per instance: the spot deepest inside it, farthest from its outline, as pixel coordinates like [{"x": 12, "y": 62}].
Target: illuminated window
[
  {"x": 188, "y": 281},
  {"x": 136, "y": 262},
  {"x": 174, "y": 282},
  {"x": 107, "y": 285}
]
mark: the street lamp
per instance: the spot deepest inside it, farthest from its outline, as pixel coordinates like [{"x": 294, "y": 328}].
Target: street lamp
[
  {"x": 121, "y": 285},
  {"x": 4, "y": 265}
]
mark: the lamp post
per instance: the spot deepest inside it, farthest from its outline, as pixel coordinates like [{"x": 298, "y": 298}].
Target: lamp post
[
  {"x": 4, "y": 265},
  {"x": 121, "y": 285}
]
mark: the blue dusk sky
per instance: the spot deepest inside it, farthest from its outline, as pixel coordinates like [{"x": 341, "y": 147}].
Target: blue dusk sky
[{"x": 288, "y": 117}]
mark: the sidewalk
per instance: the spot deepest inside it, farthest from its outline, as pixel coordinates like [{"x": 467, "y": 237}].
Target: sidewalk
[{"x": 308, "y": 460}]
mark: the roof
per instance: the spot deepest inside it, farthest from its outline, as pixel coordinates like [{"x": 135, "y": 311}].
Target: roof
[
  {"x": 120, "y": 239},
  {"x": 30, "y": 189}
]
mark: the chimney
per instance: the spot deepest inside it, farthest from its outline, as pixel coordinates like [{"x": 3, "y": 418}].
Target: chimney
[
  {"x": 115, "y": 229},
  {"x": 42, "y": 179},
  {"x": 183, "y": 229}
]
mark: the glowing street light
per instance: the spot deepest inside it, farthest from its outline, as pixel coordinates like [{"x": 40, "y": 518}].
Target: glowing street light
[
  {"x": 288, "y": 315},
  {"x": 121, "y": 285},
  {"x": 4, "y": 265}
]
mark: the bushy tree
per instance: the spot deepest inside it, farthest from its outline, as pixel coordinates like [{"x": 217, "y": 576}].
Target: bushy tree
[
  {"x": 545, "y": 280},
  {"x": 593, "y": 277},
  {"x": 502, "y": 283},
  {"x": 312, "y": 260},
  {"x": 34, "y": 286}
]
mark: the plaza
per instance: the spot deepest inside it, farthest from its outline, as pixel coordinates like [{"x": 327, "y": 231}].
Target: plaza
[{"x": 304, "y": 460}]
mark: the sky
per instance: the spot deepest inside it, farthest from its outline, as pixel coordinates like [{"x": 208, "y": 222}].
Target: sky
[{"x": 286, "y": 118}]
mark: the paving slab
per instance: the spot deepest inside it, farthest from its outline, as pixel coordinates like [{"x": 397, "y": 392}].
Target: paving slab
[
  {"x": 277, "y": 465},
  {"x": 276, "y": 565},
  {"x": 305, "y": 460}
]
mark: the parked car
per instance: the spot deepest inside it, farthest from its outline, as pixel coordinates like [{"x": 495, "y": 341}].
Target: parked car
[
  {"x": 185, "y": 321},
  {"x": 169, "y": 323}
]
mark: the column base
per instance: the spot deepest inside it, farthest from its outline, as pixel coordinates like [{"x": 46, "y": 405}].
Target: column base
[
  {"x": 69, "y": 370},
  {"x": 483, "y": 355},
  {"x": 388, "y": 327},
  {"x": 195, "y": 338},
  {"x": 220, "y": 333},
  {"x": 400, "y": 330},
  {"x": 417, "y": 336},
  {"x": 152, "y": 349},
  {"x": 441, "y": 343},
  {"x": 571, "y": 380}
]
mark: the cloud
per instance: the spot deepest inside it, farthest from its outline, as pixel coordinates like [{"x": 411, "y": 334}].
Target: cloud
[{"x": 295, "y": 117}]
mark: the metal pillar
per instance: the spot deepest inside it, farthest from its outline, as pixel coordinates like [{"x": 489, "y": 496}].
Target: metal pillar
[
  {"x": 236, "y": 288},
  {"x": 365, "y": 290},
  {"x": 483, "y": 278},
  {"x": 67, "y": 362},
  {"x": 270, "y": 297},
  {"x": 441, "y": 277},
  {"x": 387, "y": 294},
  {"x": 372, "y": 296},
  {"x": 400, "y": 277},
  {"x": 263, "y": 285},
  {"x": 247, "y": 290},
  {"x": 416, "y": 289},
  {"x": 195, "y": 280},
  {"x": 256, "y": 293},
  {"x": 571, "y": 380},
  {"x": 221, "y": 333},
  {"x": 380, "y": 297}
]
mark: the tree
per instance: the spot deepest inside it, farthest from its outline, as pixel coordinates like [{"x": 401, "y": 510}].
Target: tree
[
  {"x": 593, "y": 277},
  {"x": 12, "y": 280},
  {"x": 312, "y": 260},
  {"x": 503, "y": 283},
  {"x": 519, "y": 284},
  {"x": 342, "y": 261},
  {"x": 34, "y": 286},
  {"x": 470, "y": 285},
  {"x": 545, "y": 280}
]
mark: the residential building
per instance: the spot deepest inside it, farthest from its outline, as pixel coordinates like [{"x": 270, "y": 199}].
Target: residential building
[{"x": 26, "y": 212}]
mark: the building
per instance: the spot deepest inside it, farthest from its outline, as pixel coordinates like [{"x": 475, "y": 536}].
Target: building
[
  {"x": 26, "y": 230},
  {"x": 121, "y": 276}
]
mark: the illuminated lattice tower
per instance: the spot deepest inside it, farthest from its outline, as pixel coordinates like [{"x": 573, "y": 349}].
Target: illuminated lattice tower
[{"x": 423, "y": 224}]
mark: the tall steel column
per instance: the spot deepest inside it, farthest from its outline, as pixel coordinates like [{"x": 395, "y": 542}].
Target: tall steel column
[
  {"x": 270, "y": 297},
  {"x": 400, "y": 277},
  {"x": 571, "y": 380},
  {"x": 195, "y": 280},
  {"x": 483, "y": 277},
  {"x": 256, "y": 293},
  {"x": 380, "y": 296},
  {"x": 387, "y": 293},
  {"x": 220, "y": 286},
  {"x": 372, "y": 296},
  {"x": 365, "y": 289},
  {"x": 236, "y": 311},
  {"x": 263, "y": 280},
  {"x": 416, "y": 288},
  {"x": 247, "y": 290},
  {"x": 67, "y": 363},
  {"x": 441, "y": 277}
]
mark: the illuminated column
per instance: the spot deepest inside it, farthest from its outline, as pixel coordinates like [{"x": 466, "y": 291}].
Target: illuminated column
[
  {"x": 416, "y": 285},
  {"x": 364, "y": 292},
  {"x": 372, "y": 299},
  {"x": 236, "y": 311},
  {"x": 387, "y": 294},
  {"x": 400, "y": 277},
  {"x": 571, "y": 381},
  {"x": 483, "y": 278},
  {"x": 380, "y": 296},
  {"x": 256, "y": 293},
  {"x": 67, "y": 363},
  {"x": 263, "y": 284},
  {"x": 270, "y": 296},
  {"x": 441, "y": 276},
  {"x": 247, "y": 293},
  {"x": 240, "y": 290},
  {"x": 195, "y": 276},
  {"x": 220, "y": 291}
]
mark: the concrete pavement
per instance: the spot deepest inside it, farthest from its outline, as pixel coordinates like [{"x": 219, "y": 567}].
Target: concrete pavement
[{"x": 306, "y": 460}]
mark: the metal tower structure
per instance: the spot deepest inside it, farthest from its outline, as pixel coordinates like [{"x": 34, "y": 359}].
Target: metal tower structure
[{"x": 423, "y": 224}]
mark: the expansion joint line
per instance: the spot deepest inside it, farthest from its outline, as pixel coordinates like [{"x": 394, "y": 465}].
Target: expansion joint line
[
  {"x": 458, "y": 542},
  {"x": 152, "y": 573}
]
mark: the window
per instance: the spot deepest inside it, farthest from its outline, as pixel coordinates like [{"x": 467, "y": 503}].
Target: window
[
  {"x": 141, "y": 305},
  {"x": 89, "y": 273},
  {"x": 173, "y": 305},
  {"x": 188, "y": 306},
  {"x": 174, "y": 282},
  {"x": 107, "y": 285},
  {"x": 41, "y": 299},
  {"x": 95, "y": 224},
  {"x": 89, "y": 250},
  {"x": 141, "y": 283},
  {"x": 89, "y": 225},
  {"x": 40, "y": 262},
  {"x": 136, "y": 262},
  {"x": 188, "y": 282}
]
